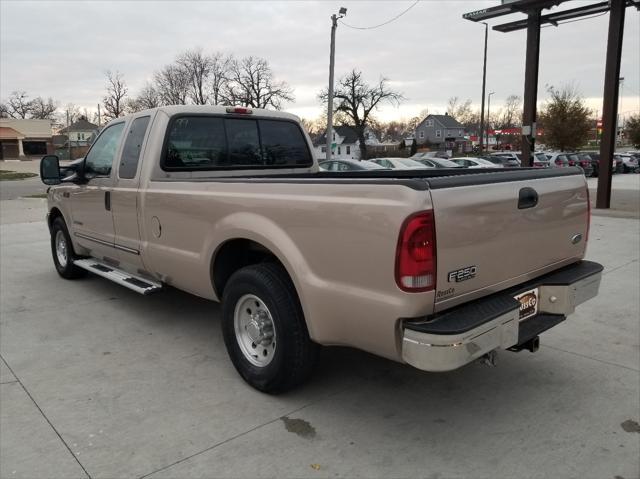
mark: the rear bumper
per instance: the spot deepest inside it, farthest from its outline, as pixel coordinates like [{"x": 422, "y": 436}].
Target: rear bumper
[{"x": 451, "y": 339}]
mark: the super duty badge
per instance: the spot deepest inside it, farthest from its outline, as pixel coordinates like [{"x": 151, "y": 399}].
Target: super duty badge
[{"x": 462, "y": 274}]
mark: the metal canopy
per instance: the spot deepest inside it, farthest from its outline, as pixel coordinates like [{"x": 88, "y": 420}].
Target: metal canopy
[
  {"x": 533, "y": 10},
  {"x": 555, "y": 18},
  {"x": 508, "y": 8}
]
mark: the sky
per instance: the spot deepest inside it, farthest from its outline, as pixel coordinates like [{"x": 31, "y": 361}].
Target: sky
[{"x": 62, "y": 49}]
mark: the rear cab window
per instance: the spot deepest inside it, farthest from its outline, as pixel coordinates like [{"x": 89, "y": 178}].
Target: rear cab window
[
  {"x": 216, "y": 143},
  {"x": 133, "y": 147}
]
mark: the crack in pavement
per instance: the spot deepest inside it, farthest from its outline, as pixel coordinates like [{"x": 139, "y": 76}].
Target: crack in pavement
[{"x": 44, "y": 416}]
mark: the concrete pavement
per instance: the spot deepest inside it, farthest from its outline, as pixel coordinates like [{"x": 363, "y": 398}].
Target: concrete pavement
[{"x": 100, "y": 382}]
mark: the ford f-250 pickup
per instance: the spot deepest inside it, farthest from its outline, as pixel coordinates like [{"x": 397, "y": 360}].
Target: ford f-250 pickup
[{"x": 434, "y": 268}]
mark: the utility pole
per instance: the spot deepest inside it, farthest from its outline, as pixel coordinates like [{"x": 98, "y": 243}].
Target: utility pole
[
  {"x": 334, "y": 24},
  {"x": 68, "y": 136},
  {"x": 484, "y": 83},
  {"x": 99, "y": 118},
  {"x": 489, "y": 116}
]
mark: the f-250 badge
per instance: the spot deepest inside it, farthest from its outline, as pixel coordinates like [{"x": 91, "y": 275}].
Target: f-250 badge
[{"x": 462, "y": 274}]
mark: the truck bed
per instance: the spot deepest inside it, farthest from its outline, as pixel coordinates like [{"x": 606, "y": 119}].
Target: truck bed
[{"x": 416, "y": 179}]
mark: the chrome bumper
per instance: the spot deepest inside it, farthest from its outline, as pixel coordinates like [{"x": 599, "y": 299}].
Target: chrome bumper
[{"x": 453, "y": 339}]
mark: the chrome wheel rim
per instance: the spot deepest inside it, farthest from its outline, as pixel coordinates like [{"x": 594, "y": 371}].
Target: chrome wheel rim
[
  {"x": 255, "y": 331},
  {"x": 61, "y": 249}
]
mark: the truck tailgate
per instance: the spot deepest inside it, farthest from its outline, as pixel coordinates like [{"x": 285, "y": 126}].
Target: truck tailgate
[{"x": 496, "y": 230}]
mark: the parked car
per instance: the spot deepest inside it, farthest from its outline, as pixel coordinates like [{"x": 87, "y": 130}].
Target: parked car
[
  {"x": 431, "y": 154},
  {"x": 349, "y": 165},
  {"x": 227, "y": 203},
  {"x": 438, "y": 163},
  {"x": 507, "y": 159},
  {"x": 629, "y": 163},
  {"x": 558, "y": 160},
  {"x": 399, "y": 163},
  {"x": 475, "y": 163},
  {"x": 587, "y": 157},
  {"x": 595, "y": 162},
  {"x": 540, "y": 160},
  {"x": 585, "y": 164}
]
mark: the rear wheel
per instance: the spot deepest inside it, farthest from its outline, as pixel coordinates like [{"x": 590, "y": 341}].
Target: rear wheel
[
  {"x": 264, "y": 329},
  {"x": 62, "y": 251}
]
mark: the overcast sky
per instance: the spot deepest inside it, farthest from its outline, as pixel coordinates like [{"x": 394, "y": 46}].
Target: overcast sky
[{"x": 63, "y": 48}]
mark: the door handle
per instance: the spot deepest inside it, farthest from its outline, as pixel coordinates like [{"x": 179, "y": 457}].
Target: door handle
[
  {"x": 527, "y": 198},
  {"x": 107, "y": 200}
]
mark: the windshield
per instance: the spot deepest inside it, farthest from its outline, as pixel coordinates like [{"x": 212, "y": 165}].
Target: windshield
[
  {"x": 446, "y": 163},
  {"x": 541, "y": 157},
  {"x": 410, "y": 163},
  {"x": 370, "y": 165},
  {"x": 482, "y": 162}
]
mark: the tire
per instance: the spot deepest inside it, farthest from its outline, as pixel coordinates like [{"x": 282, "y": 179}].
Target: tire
[
  {"x": 262, "y": 294},
  {"x": 62, "y": 251}
]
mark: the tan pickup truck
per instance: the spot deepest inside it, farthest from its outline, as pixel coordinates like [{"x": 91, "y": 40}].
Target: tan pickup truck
[{"x": 434, "y": 268}]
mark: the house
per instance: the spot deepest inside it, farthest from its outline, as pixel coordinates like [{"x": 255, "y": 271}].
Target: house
[
  {"x": 442, "y": 132},
  {"x": 81, "y": 132},
  {"x": 345, "y": 143},
  {"x": 22, "y": 138}
]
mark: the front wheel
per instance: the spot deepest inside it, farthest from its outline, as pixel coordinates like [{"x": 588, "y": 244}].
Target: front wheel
[
  {"x": 62, "y": 251},
  {"x": 264, "y": 329}
]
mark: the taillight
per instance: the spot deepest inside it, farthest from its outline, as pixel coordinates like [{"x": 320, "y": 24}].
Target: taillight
[
  {"x": 558, "y": 161},
  {"x": 239, "y": 110},
  {"x": 416, "y": 253}
]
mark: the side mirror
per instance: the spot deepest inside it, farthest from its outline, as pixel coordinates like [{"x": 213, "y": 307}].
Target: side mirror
[{"x": 50, "y": 170}]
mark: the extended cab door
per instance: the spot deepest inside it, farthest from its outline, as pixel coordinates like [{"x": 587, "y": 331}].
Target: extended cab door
[
  {"x": 92, "y": 220},
  {"x": 125, "y": 196}
]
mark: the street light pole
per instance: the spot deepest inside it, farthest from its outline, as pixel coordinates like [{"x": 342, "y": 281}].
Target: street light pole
[
  {"x": 484, "y": 83},
  {"x": 334, "y": 24},
  {"x": 489, "y": 115}
]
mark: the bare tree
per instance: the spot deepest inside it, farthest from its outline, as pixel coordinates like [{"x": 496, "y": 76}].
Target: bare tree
[
  {"x": 172, "y": 84},
  {"x": 197, "y": 67},
  {"x": 147, "y": 98},
  {"x": 464, "y": 113},
  {"x": 18, "y": 105},
  {"x": 42, "y": 109},
  {"x": 357, "y": 100},
  {"x": 251, "y": 83},
  {"x": 115, "y": 99},
  {"x": 510, "y": 115},
  {"x": 219, "y": 77}
]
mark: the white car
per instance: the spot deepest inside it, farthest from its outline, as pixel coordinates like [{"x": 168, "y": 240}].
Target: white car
[
  {"x": 475, "y": 163},
  {"x": 399, "y": 163}
]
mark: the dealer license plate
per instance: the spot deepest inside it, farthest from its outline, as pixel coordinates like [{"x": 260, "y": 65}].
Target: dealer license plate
[{"x": 528, "y": 303}]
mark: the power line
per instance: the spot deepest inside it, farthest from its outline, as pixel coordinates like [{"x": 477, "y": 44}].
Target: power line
[{"x": 384, "y": 23}]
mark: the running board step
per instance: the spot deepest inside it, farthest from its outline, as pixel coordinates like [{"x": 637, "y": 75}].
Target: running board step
[{"x": 134, "y": 283}]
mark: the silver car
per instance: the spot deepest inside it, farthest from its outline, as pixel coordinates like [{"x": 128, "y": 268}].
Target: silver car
[{"x": 399, "y": 163}]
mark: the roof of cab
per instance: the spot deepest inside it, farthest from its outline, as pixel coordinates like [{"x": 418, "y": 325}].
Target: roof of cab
[{"x": 173, "y": 110}]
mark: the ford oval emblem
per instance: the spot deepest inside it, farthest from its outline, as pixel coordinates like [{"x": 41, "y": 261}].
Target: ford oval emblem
[{"x": 575, "y": 239}]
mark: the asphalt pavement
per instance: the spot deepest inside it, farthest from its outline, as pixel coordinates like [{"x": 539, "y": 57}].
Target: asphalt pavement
[{"x": 97, "y": 381}]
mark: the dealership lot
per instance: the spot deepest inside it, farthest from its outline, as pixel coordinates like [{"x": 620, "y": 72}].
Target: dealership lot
[{"x": 100, "y": 382}]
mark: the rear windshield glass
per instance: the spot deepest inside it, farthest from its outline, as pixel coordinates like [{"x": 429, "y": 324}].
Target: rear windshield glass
[{"x": 205, "y": 143}]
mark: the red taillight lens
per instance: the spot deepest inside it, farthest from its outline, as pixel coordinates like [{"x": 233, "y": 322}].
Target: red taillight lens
[
  {"x": 239, "y": 110},
  {"x": 558, "y": 161},
  {"x": 416, "y": 254}
]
